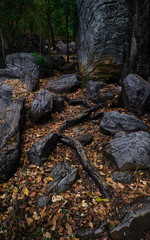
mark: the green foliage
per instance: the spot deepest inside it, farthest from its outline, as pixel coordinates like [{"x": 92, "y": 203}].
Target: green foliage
[
  {"x": 20, "y": 16},
  {"x": 40, "y": 61}
]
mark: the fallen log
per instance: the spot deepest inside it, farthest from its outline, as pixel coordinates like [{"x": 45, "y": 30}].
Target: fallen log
[
  {"x": 75, "y": 102},
  {"x": 80, "y": 118},
  {"x": 94, "y": 174}
]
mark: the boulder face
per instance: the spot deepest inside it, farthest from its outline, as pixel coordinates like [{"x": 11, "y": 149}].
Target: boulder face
[
  {"x": 137, "y": 47},
  {"x": 114, "y": 122},
  {"x": 41, "y": 150},
  {"x": 12, "y": 114},
  {"x": 129, "y": 150},
  {"x": 42, "y": 105},
  {"x": 64, "y": 176},
  {"x": 134, "y": 218},
  {"x": 101, "y": 33},
  {"x": 136, "y": 93},
  {"x": 22, "y": 67},
  {"x": 65, "y": 84}
]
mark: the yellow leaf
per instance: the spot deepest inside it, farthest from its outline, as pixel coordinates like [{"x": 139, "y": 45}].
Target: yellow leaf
[
  {"x": 101, "y": 199},
  {"x": 91, "y": 224},
  {"x": 3, "y": 196},
  {"x": 26, "y": 192},
  {"x": 50, "y": 179}
]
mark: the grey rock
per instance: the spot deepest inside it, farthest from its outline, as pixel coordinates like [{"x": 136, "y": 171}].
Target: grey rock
[
  {"x": 85, "y": 139},
  {"x": 122, "y": 177},
  {"x": 42, "y": 201},
  {"x": 134, "y": 222},
  {"x": 66, "y": 83},
  {"x": 108, "y": 95},
  {"x": 101, "y": 32},
  {"x": 41, "y": 150},
  {"x": 136, "y": 93},
  {"x": 113, "y": 122},
  {"x": 58, "y": 61},
  {"x": 93, "y": 91},
  {"x": 5, "y": 99},
  {"x": 23, "y": 61},
  {"x": 23, "y": 67},
  {"x": 64, "y": 176},
  {"x": 58, "y": 104},
  {"x": 129, "y": 150},
  {"x": 42, "y": 106},
  {"x": 10, "y": 132}
]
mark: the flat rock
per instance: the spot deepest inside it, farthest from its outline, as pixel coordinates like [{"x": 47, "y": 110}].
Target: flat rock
[
  {"x": 122, "y": 177},
  {"x": 64, "y": 176},
  {"x": 113, "y": 122},
  {"x": 129, "y": 150},
  {"x": 65, "y": 84},
  {"x": 93, "y": 91},
  {"x": 41, "y": 150},
  {"x": 136, "y": 93},
  {"x": 10, "y": 132},
  {"x": 135, "y": 218},
  {"x": 85, "y": 139},
  {"x": 42, "y": 106}
]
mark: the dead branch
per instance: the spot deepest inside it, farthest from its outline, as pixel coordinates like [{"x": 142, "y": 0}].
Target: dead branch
[
  {"x": 80, "y": 118},
  {"x": 84, "y": 161}
]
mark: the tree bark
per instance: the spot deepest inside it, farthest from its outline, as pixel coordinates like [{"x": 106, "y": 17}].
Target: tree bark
[{"x": 2, "y": 43}]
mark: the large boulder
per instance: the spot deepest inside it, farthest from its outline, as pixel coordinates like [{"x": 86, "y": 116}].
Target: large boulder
[
  {"x": 42, "y": 106},
  {"x": 136, "y": 93},
  {"x": 64, "y": 176},
  {"x": 23, "y": 67},
  {"x": 12, "y": 116},
  {"x": 135, "y": 218},
  {"x": 113, "y": 122},
  {"x": 94, "y": 91},
  {"x": 41, "y": 150},
  {"x": 129, "y": 151},
  {"x": 101, "y": 34},
  {"x": 65, "y": 84}
]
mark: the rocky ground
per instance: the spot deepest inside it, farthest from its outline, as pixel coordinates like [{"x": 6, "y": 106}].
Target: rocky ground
[{"x": 30, "y": 210}]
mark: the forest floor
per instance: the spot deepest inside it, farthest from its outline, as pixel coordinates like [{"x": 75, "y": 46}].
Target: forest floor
[{"x": 82, "y": 206}]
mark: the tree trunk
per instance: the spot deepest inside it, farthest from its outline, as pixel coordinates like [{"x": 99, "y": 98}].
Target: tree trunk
[
  {"x": 67, "y": 35},
  {"x": 3, "y": 43}
]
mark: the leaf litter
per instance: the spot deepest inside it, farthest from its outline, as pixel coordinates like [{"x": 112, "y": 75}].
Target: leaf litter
[{"x": 82, "y": 205}]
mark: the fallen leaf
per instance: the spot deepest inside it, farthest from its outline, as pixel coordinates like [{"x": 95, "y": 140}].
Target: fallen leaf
[
  {"x": 29, "y": 221},
  {"x": 69, "y": 231},
  {"x": 56, "y": 198},
  {"x": 91, "y": 224},
  {"x": 101, "y": 199},
  {"x": 47, "y": 235},
  {"x": 26, "y": 192}
]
